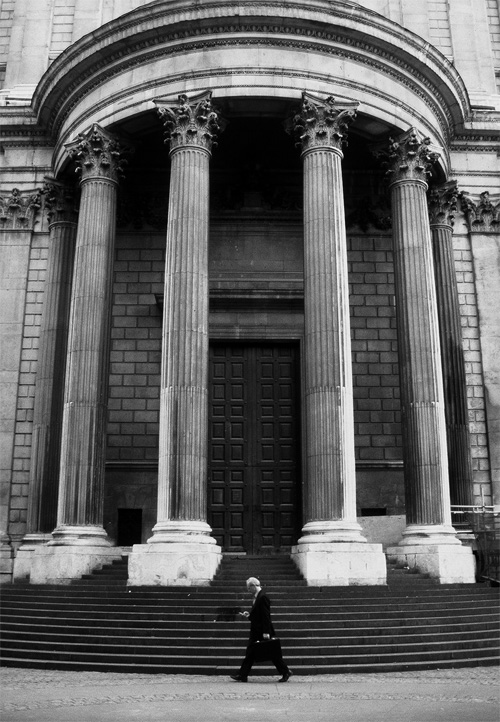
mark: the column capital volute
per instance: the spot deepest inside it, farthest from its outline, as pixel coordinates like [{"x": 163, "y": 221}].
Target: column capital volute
[
  {"x": 408, "y": 157},
  {"x": 19, "y": 209},
  {"x": 442, "y": 201},
  {"x": 60, "y": 201},
  {"x": 191, "y": 122},
  {"x": 321, "y": 123},
  {"x": 98, "y": 154},
  {"x": 482, "y": 212}
]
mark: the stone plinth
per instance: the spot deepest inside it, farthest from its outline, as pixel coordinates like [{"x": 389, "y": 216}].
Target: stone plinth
[
  {"x": 63, "y": 564},
  {"x": 447, "y": 563},
  {"x": 338, "y": 564},
  {"x": 180, "y": 564},
  {"x": 25, "y": 553}
]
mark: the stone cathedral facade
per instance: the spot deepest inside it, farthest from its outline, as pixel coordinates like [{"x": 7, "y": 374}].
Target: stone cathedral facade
[{"x": 250, "y": 285}]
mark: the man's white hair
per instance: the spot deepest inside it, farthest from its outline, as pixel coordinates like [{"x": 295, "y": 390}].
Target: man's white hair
[{"x": 254, "y": 581}]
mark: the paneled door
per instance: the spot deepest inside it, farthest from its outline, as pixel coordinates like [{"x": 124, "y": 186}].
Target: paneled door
[{"x": 254, "y": 457}]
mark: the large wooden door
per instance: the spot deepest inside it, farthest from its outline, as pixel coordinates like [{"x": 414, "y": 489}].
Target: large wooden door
[{"x": 254, "y": 459}]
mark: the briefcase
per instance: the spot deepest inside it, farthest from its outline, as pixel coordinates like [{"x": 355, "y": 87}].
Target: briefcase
[{"x": 266, "y": 650}]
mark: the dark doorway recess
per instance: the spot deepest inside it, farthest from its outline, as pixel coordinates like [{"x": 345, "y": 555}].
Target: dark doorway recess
[
  {"x": 129, "y": 527},
  {"x": 254, "y": 459}
]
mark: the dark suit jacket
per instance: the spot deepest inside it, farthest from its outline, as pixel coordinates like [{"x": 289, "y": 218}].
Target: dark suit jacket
[{"x": 260, "y": 618}]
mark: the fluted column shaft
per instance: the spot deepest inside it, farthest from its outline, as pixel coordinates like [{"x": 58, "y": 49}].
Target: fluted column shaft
[
  {"x": 184, "y": 377},
  {"x": 330, "y": 484},
  {"x": 422, "y": 397},
  {"x": 191, "y": 127},
  {"x": 47, "y": 417},
  {"x": 81, "y": 485},
  {"x": 442, "y": 204},
  {"x": 330, "y": 469}
]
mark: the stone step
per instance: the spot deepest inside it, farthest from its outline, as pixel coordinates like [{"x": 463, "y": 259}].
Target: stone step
[{"x": 99, "y": 623}]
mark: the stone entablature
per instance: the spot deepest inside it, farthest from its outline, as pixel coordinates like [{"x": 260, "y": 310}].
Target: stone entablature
[{"x": 227, "y": 50}]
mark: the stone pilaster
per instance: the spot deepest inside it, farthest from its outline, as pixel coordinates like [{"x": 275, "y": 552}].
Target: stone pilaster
[
  {"x": 19, "y": 212},
  {"x": 332, "y": 549},
  {"x": 79, "y": 541},
  {"x": 182, "y": 550},
  {"x": 442, "y": 205},
  {"x": 429, "y": 541},
  {"x": 482, "y": 214},
  {"x": 60, "y": 204}
]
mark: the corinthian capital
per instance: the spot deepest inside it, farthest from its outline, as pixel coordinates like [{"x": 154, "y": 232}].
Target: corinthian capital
[
  {"x": 321, "y": 123},
  {"x": 98, "y": 153},
  {"x": 60, "y": 202},
  {"x": 442, "y": 203},
  {"x": 482, "y": 216},
  {"x": 408, "y": 157},
  {"x": 19, "y": 210},
  {"x": 191, "y": 122}
]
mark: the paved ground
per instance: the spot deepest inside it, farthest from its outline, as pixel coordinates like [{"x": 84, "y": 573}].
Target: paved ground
[{"x": 462, "y": 695}]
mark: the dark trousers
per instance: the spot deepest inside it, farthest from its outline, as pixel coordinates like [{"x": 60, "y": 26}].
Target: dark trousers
[{"x": 247, "y": 663}]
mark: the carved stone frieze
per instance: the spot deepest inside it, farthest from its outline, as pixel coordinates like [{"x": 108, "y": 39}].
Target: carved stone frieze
[
  {"x": 193, "y": 122},
  {"x": 408, "y": 157},
  {"x": 320, "y": 122},
  {"x": 98, "y": 153},
  {"x": 482, "y": 216},
  {"x": 19, "y": 210},
  {"x": 300, "y": 37},
  {"x": 442, "y": 202},
  {"x": 60, "y": 202}
]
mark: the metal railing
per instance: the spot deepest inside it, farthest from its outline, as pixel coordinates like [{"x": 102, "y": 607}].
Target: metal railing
[{"x": 482, "y": 524}]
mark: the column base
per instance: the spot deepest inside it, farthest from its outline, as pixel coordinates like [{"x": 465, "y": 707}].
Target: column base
[
  {"x": 25, "y": 553},
  {"x": 73, "y": 535},
  {"x": 340, "y": 564},
  {"x": 322, "y": 532},
  {"x": 436, "y": 551},
  {"x": 60, "y": 564},
  {"x": 178, "y": 563}
]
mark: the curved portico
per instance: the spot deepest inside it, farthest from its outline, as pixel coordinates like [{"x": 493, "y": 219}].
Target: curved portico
[{"x": 242, "y": 63}]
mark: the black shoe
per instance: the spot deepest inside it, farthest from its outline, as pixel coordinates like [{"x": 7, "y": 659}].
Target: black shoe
[
  {"x": 286, "y": 676},
  {"x": 239, "y": 678}
]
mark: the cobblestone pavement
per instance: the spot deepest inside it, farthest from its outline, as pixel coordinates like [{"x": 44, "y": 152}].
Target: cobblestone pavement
[{"x": 460, "y": 695}]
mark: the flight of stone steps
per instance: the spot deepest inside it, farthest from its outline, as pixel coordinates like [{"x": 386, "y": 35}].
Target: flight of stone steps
[{"x": 98, "y": 623}]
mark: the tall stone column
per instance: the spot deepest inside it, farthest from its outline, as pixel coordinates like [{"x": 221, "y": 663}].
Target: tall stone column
[
  {"x": 79, "y": 541},
  {"x": 19, "y": 213},
  {"x": 442, "y": 205},
  {"x": 60, "y": 204},
  {"x": 332, "y": 549},
  {"x": 182, "y": 550},
  {"x": 429, "y": 542},
  {"x": 482, "y": 215}
]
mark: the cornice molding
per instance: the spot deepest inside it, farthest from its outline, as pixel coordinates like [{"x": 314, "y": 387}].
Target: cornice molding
[{"x": 338, "y": 23}]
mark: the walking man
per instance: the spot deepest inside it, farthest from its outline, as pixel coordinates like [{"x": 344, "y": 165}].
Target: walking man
[{"x": 261, "y": 628}]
